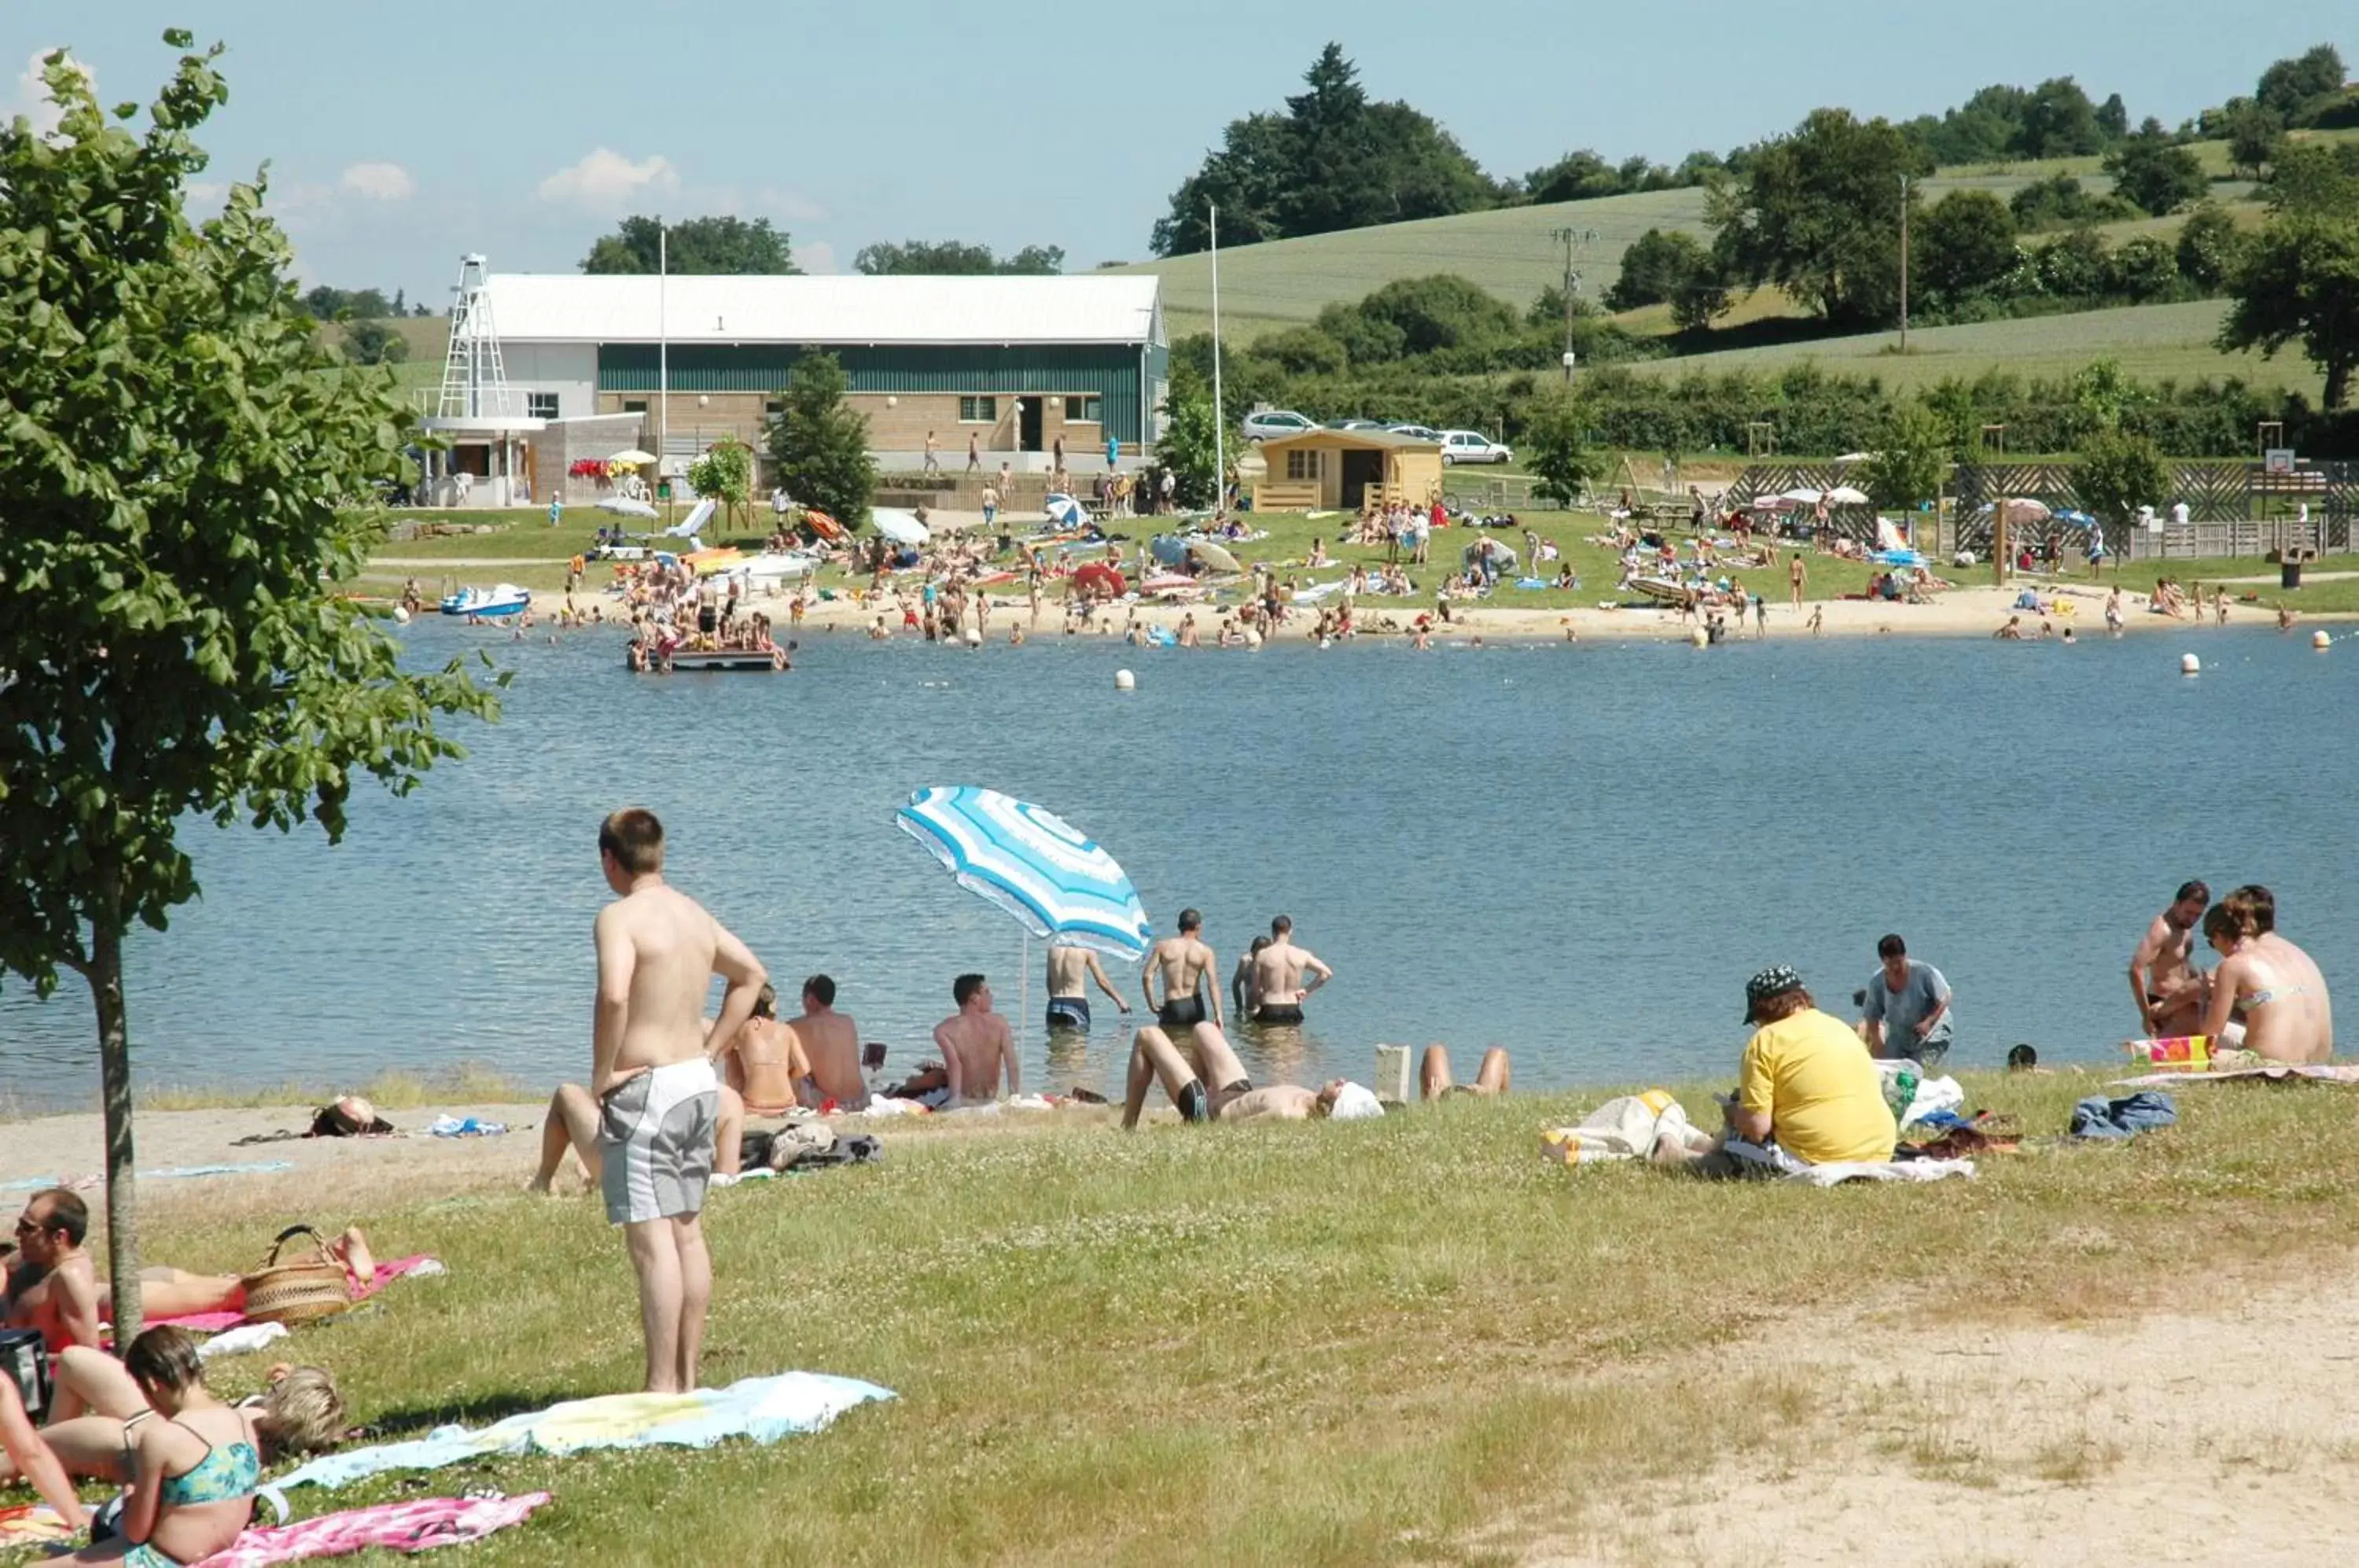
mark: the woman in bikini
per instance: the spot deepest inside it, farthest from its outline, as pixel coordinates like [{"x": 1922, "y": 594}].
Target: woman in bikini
[
  {"x": 195, "y": 1462},
  {"x": 2277, "y": 1008}
]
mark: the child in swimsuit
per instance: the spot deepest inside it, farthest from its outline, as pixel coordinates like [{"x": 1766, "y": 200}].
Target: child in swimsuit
[{"x": 194, "y": 1460}]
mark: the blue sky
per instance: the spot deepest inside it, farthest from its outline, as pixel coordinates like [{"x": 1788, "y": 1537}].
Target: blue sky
[{"x": 400, "y": 136}]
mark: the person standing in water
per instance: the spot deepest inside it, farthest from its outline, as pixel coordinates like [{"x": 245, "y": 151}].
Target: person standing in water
[
  {"x": 1070, "y": 970},
  {"x": 1186, "y": 965},
  {"x": 1279, "y": 970}
]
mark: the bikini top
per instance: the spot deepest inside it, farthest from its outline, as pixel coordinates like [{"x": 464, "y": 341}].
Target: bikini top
[{"x": 226, "y": 1474}]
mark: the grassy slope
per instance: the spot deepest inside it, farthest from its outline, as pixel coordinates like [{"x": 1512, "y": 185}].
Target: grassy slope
[
  {"x": 1267, "y": 287},
  {"x": 1351, "y": 1344},
  {"x": 2150, "y": 341}
]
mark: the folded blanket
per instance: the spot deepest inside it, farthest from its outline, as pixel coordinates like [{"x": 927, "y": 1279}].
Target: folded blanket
[
  {"x": 397, "y": 1527},
  {"x": 1839, "y": 1171},
  {"x": 217, "y": 1322},
  {"x": 762, "y": 1408}
]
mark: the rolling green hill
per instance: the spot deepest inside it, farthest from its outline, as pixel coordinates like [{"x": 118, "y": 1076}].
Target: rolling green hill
[
  {"x": 2150, "y": 341},
  {"x": 1286, "y": 282}
]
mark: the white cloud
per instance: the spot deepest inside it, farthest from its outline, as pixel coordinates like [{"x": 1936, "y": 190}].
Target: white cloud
[
  {"x": 606, "y": 182},
  {"x": 31, "y": 98},
  {"x": 770, "y": 202},
  {"x": 379, "y": 182},
  {"x": 815, "y": 255}
]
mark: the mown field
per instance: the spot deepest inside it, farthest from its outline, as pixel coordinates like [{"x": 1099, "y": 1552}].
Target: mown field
[{"x": 2150, "y": 341}]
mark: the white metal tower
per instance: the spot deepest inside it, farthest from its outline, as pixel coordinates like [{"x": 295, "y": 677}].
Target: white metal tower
[{"x": 474, "y": 381}]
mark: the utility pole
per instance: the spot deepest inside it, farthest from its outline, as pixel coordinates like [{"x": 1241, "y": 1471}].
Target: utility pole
[
  {"x": 1569, "y": 238},
  {"x": 1904, "y": 263}
]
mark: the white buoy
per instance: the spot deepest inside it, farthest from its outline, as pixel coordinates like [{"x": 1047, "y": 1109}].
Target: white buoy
[
  {"x": 2320, "y": 641},
  {"x": 1324, "y": 644},
  {"x": 401, "y": 617},
  {"x": 1124, "y": 680},
  {"x": 973, "y": 637},
  {"x": 2190, "y": 665},
  {"x": 1701, "y": 639},
  {"x": 1253, "y": 637}
]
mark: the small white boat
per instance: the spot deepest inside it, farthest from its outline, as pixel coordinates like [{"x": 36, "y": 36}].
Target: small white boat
[{"x": 488, "y": 604}]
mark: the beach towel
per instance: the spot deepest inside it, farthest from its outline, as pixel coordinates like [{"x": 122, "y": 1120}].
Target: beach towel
[
  {"x": 397, "y": 1527},
  {"x": 35, "y": 1524},
  {"x": 218, "y": 1322},
  {"x": 762, "y": 1408},
  {"x": 243, "y": 1340},
  {"x": 1625, "y": 1128},
  {"x": 1836, "y": 1172},
  {"x": 2275, "y": 1072}
]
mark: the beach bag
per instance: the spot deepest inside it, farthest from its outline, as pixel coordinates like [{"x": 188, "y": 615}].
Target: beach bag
[
  {"x": 24, "y": 1361},
  {"x": 316, "y": 1286}
]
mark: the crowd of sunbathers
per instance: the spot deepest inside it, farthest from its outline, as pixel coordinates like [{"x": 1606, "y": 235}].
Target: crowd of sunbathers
[{"x": 189, "y": 1463}]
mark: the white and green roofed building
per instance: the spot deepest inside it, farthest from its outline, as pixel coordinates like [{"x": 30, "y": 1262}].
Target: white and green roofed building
[{"x": 1019, "y": 363}]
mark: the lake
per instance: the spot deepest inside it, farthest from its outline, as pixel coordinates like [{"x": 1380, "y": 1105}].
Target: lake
[{"x": 1579, "y": 853}]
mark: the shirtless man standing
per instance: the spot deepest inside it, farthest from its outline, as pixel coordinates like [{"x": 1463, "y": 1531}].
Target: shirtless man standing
[
  {"x": 977, "y": 1045},
  {"x": 1278, "y": 990},
  {"x": 2170, "y": 995},
  {"x": 1070, "y": 969},
  {"x": 830, "y": 1042},
  {"x": 656, "y": 1097},
  {"x": 1185, "y": 964}
]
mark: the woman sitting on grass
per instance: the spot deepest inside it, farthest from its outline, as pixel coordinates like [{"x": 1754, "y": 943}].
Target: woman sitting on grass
[
  {"x": 194, "y": 1461},
  {"x": 299, "y": 1413},
  {"x": 2284, "y": 1016}
]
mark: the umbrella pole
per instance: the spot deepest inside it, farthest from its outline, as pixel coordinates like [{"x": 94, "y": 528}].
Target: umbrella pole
[{"x": 1024, "y": 992}]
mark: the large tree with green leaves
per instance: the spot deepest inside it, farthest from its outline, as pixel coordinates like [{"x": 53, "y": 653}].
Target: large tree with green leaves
[
  {"x": 955, "y": 258},
  {"x": 1335, "y": 159},
  {"x": 1965, "y": 244},
  {"x": 1555, "y": 454},
  {"x": 2294, "y": 85},
  {"x": 693, "y": 246},
  {"x": 819, "y": 442},
  {"x": 2155, "y": 171},
  {"x": 1818, "y": 214},
  {"x": 2119, "y": 473},
  {"x": 184, "y": 480},
  {"x": 1658, "y": 265},
  {"x": 1189, "y": 447},
  {"x": 2298, "y": 281},
  {"x": 1910, "y": 459}
]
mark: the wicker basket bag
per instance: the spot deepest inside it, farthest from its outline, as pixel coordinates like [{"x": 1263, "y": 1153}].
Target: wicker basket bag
[{"x": 310, "y": 1287}]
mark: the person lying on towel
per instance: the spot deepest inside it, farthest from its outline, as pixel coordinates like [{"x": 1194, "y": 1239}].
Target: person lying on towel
[{"x": 1807, "y": 1092}]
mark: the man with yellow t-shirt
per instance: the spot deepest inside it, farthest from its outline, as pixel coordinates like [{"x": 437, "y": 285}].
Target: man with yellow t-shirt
[{"x": 1807, "y": 1092}]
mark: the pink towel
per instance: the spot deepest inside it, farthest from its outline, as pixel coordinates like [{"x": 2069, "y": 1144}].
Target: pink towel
[
  {"x": 214, "y": 1323},
  {"x": 399, "y": 1527}
]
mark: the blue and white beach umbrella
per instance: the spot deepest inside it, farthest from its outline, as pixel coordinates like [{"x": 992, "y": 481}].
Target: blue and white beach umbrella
[{"x": 1033, "y": 864}]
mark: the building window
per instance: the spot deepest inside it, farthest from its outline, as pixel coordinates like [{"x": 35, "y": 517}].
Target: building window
[
  {"x": 1083, "y": 411},
  {"x": 1301, "y": 464},
  {"x": 540, "y": 405},
  {"x": 978, "y": 411},
  {"x": 634, "y": 405},
  {"x": 774, "y": 407}
]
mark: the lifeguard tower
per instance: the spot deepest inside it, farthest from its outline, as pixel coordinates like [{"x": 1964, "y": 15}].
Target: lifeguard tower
[{"x": 484, "y": 452}]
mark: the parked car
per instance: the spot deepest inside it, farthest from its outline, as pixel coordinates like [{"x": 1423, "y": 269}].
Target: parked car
[
  {"x": 1358, "y": 425},
  {"x": 1271, "y": 422},
  {"x": 1472, "y": 446},
  {"x": 1418, "y": 433}
]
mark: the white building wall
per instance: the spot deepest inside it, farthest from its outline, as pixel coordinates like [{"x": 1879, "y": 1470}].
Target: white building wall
[{"x": 569, "y": 370}]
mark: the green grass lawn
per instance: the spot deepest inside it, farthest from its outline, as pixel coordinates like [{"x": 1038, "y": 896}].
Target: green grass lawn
[
  {"x": 1406, "y": 1341},
  {"x": 2151, "y": 342}
]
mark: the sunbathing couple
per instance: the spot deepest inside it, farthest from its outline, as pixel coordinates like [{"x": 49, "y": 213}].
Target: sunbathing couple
[
  {"x": 2267, "y": 996},
  {"x": 1207, "y": 1059}
]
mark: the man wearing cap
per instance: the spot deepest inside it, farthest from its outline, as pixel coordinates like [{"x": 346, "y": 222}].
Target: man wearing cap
[{"x": 1807, "y": 1092}]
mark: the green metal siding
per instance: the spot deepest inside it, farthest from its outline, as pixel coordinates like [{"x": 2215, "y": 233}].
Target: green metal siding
[{"x": 1110, "y": 371}]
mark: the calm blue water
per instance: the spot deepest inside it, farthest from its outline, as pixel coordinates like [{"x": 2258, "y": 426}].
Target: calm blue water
[{"x": 1577, "y": 852}]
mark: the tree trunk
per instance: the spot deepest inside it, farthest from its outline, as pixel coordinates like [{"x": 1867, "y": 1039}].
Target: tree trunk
[
  {"x": 2338, "y": 383},
  {"x": 115, "y": 1079}
]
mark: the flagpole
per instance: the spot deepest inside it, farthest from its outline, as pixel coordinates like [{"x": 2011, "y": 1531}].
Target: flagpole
[
  {"x": 663, "y": 360},
  {"x": 1220, "y": 424}
]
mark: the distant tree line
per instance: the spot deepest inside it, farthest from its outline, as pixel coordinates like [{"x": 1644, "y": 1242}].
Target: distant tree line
[
  {"x": 952, "y": 258},
  {"x": 1336, "y": 159}
]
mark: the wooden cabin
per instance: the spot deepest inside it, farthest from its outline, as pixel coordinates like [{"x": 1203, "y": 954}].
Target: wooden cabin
[{"x": 1329, "y": 471}]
